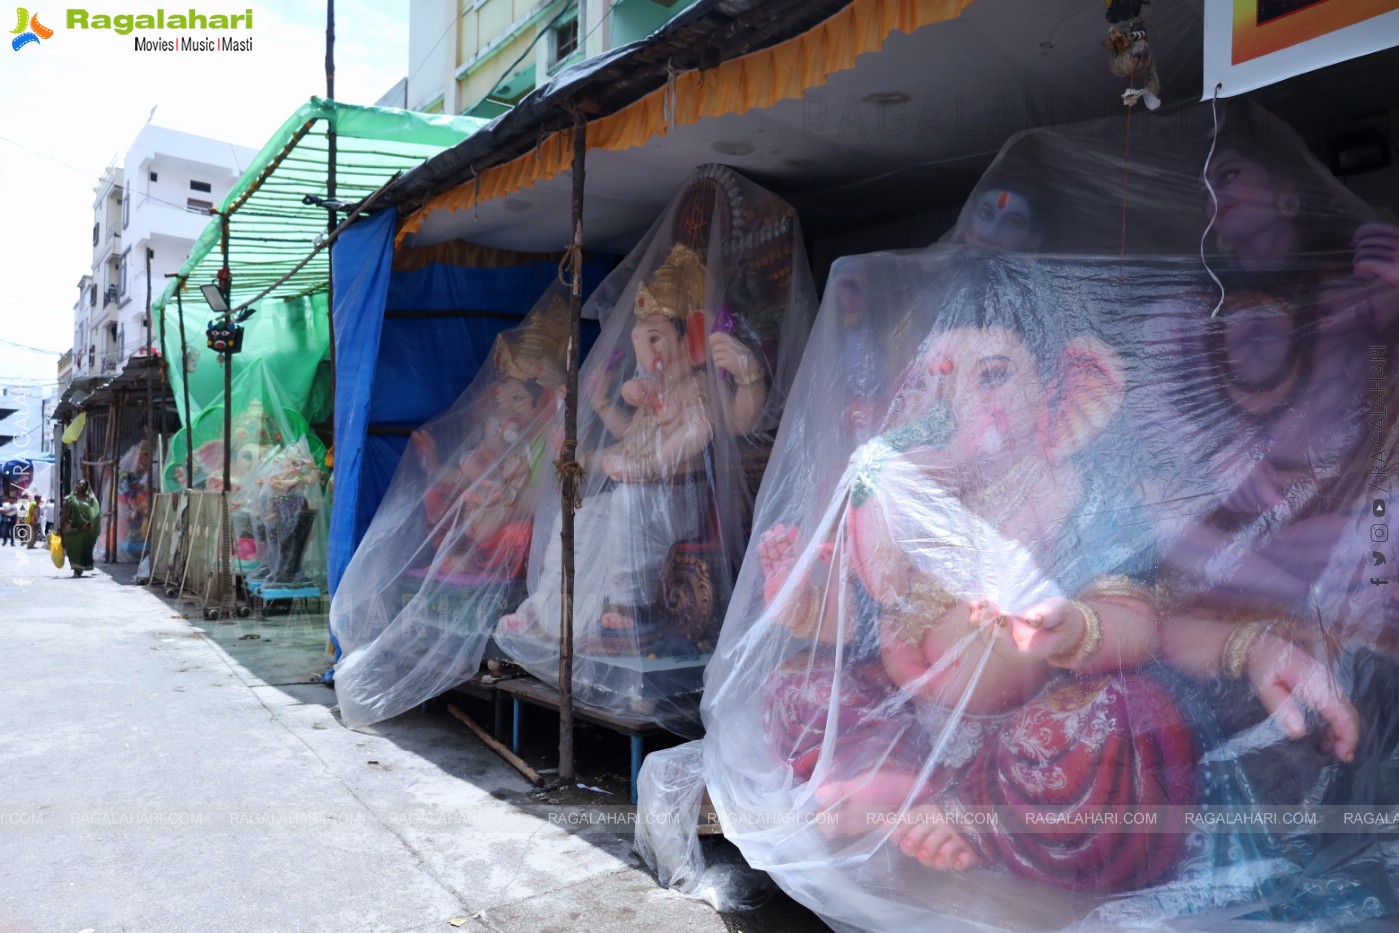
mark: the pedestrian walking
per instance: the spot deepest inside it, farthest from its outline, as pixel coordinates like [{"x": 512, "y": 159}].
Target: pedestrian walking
[
  {"x": 32, "y": 520},
  {"x": 46, "y": 516},
  {"x": 9, "y": 512},
  {"x": 77, "y": 522}
]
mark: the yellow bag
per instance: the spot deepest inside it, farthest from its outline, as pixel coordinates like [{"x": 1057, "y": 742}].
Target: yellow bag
[{"x": 56, "y": 550}]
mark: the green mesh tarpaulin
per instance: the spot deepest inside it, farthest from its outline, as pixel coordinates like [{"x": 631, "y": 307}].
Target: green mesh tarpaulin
[
  {"x": 288, "y": 336},
  {"x": 272, "y": 228}
]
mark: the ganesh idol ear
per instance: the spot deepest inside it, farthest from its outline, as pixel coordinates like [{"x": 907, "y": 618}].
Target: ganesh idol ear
[{"x": 1084, "y": 395}]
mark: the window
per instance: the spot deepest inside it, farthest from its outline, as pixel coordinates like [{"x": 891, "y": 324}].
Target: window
[
  {"x": 121, "y": 274},
  {"x": 565, "y": 41},
  {"x": 125, "y": 209},
  {"x": 92, "y": 296},
  {"x": 196, "y": 206},
  {"x": 96, "y": 233},
  {"x": 200, "y": 186},
  {"x": 154, "y": 177}
]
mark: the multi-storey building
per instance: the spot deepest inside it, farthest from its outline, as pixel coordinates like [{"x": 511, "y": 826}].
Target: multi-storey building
[
  {"x": 101, "y": 330},
  {"x": 83, "y": 355},
  {"x": 480, "y": 57},
  {"x": 147, "y": 213},
  {"x": 150, "y": 207}
]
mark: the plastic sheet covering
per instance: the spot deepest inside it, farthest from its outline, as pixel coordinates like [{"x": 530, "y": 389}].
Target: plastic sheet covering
[
  {"x": 1089, "y": 621},
  {"x": 446, "y": 552},
  {"x": 284, "y": 508},
  {"x": 290, "y": 338},
  {"x": 670, "y": 794},
  {"x": 277, "y": 475},
  {"x": 412, "y": 365},
  {"x": 702, "y": 327},
  {"x": 133, "y": 501}
]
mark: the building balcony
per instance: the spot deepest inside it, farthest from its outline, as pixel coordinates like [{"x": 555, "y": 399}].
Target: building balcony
[{"x": 153, "y": 219}]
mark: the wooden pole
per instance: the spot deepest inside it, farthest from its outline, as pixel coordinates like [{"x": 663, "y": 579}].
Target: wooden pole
[
  {"x": 150, "y": 398},
  {"x": 518, "y": 763},
  {"x": 330, "y": 50},
  {"x": 569, "y": 488},
  {"x": 330, "y": 198},
  {"x": 225, "y": 539},
  {"x": 109, "y": 469},
  {"x": 226, "y": 287},
  {"x": 184, "y": 387}
]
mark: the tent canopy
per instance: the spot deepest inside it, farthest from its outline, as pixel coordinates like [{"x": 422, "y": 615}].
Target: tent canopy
[
  {"x": 273, "y": 226},
  {"x": 907, "y": 127}
]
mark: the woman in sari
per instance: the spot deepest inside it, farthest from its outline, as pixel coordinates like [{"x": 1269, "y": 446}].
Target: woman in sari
[{"x": 78, "y": 525}]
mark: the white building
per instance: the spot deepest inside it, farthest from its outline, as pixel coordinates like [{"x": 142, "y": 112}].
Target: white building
[
  {"x": 156, "y": 203},
  {"x": 480, "y": 57}
]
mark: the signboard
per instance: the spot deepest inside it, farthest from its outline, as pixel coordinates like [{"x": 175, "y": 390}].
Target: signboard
[{"x": 1253, "y": 43}]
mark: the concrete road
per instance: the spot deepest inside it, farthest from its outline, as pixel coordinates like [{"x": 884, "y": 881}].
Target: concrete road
[{"x": 162, "y": 774}]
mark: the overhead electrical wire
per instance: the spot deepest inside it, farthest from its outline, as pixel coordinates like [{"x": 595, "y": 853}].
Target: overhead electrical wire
[{"x": 21, "y": 346}]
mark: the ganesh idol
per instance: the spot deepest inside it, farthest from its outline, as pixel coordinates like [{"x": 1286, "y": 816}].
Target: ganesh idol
[
  {"x": 478, "y": 510},
  {"x": 660, "y": 426},
  {"x": 446, "y": 552},
  {"x": 950, "y": 658},
  {"x": 679, "y": 401}
]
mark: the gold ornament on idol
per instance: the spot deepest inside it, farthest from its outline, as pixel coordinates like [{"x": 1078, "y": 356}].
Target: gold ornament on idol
[
  {"x": 534, "y": 351},
  {"x": 676, "y": 288}
]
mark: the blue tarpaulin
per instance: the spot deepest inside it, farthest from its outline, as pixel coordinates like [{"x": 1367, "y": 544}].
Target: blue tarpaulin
[{"x": 406, "y": 345}]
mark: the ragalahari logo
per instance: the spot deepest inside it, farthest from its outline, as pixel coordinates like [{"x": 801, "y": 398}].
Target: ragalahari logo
[{"x": 28, "y": 29}]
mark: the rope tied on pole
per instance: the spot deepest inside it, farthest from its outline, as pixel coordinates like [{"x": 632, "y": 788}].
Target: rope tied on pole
[
  {"x": 572, "y": 259},
  {"x": 570, "y": 473}
]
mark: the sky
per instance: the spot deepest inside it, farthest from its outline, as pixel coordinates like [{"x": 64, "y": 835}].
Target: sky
[{"x": 71, "y": 103}]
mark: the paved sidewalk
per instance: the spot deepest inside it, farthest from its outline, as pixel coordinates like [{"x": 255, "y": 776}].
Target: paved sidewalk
[{"x": 163, "y": 774}]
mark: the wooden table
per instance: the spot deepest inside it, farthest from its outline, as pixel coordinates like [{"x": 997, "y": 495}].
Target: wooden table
[
  {"x": 485, "y": 687},
  {"x": 537, "y": 693}
]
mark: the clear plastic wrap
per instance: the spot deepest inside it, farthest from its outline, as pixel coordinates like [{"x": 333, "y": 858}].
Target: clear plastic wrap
[
  {"x": 263, "y": 420},
  {"x": 702, "y": 326},
  {"x": 285, "y": 506},
  {"x": 446, "y": 553},
  {"x": 1084, "y": 621},
  {"x": 276, "y": 475},
  {"x": 670, "y": 797}
]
